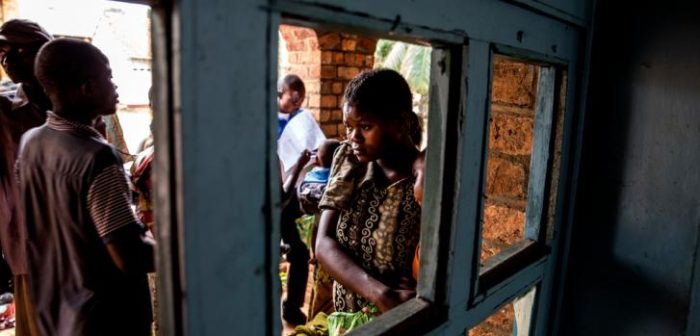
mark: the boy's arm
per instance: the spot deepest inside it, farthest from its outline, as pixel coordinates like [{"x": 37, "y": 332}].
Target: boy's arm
[
  {"x": 344, "y": 270},
  {"x": 131, "y": 250}
]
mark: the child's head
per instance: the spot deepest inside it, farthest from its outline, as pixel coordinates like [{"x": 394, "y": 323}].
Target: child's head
[
  {"x": 324, "y": 156},
  {"x": 377, "y": 113},
  {"x": 418, "y": 173},
  {"x": 77, "y": 76},
  {"x": 290, "y": 93}
]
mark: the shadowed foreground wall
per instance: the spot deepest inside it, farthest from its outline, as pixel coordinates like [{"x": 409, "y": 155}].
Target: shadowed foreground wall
[{"x": 635, "y": 233}]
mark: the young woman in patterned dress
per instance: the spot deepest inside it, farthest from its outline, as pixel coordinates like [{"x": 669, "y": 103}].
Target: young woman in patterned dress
[{"x": 370, "y": 220}]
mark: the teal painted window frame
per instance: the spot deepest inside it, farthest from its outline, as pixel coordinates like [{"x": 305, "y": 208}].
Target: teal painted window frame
[
  {"x": 459, "y": 63},
  {"x": 454, "y": 293}
]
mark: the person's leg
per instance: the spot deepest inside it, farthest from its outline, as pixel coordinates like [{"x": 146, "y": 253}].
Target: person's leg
[{"x": 298, "y": 257}]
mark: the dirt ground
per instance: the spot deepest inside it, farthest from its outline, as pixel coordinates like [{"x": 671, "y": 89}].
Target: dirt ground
[{"x": 498, "y": 324}]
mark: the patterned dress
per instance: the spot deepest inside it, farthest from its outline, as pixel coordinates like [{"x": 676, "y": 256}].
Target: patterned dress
[{"x": 379, "y": 223}]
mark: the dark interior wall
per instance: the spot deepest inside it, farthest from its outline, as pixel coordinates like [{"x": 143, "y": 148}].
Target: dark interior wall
[{"x": 637, "y": 216}]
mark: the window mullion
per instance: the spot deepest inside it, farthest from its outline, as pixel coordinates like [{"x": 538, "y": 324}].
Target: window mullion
[
  {"x": 436, "y": 197},
  {"x": 540, "y": 153},
  {"x": 548, "y": 306},
  {"x": 465, "y": 237}
]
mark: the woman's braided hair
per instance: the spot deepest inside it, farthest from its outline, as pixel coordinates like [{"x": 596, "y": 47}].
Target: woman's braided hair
[{"x": 385, "y": 95}]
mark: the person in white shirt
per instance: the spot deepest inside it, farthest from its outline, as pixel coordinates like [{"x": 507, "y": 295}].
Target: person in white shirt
[{"x": 298, "y": 134}]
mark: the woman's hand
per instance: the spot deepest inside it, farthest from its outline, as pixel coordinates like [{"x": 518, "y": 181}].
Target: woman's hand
[{"x": 393, "y": 297}]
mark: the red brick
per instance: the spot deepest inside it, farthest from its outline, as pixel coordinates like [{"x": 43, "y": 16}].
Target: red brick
[
  {"x": 326, "y": 88},
  {"x": 311, "y": 44},
  {"x": 341, "y": 131},
  {"x": 511, "y": 134},
  {"x": 302, "y": 33},
  {"x": 328, "y": 71},
  {"x": 349, "y": 44},
  {"x": 505, "y": 178},
  {"x": 366, "y": 44},
  {"x": 296, "y": 45},
  {"x": 292, "y": 57},
  {"x": 287, "y": 32},
  {"x": 503, "y": 227},
  {"x": 304, "y": 57},
  {"x": 312, "y": 86},
  {"x": 316, "y": 57},
  {"x": 513, "y": 82},
  {"x": 330, "y": 130},
  {"x": 298, "y": 70},
  {"x": 354, "y": 59},
  {"x": 338, "y": 87},
  {"x": 338, "y": 58},
  {"x": 314, "y": 71},
  {"x": 316, "y": 114},
  {"x": 348, "y": 72},
  {"x": 326, "y": 57},
  {"x": 314, "y": 100},
  {"x": 337, "y": 115},
  {"x": 329, "y": 101},
  {"x": 329, "y": 41},
  {"x": 325, "y": 115}
]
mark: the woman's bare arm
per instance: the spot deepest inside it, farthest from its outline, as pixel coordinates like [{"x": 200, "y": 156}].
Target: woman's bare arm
[{"x": 351, "y": 275}]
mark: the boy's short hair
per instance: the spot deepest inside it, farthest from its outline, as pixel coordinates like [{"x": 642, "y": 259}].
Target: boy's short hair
[
  {"x": 64, "y": 64},
  {"x": 291, "y": 82},
  {"x": 326, "y": 151}
]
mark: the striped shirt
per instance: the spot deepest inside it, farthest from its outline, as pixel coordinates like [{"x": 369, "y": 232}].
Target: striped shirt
[{"x": 108, "y": 196}]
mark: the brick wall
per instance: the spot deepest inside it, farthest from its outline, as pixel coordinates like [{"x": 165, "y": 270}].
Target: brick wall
[
  {"x": 326, "y": 61},
  {"x": 343, "y": 56},
  {"x": 513, "y": 96},
  {"x": 303, "y": 58}
]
